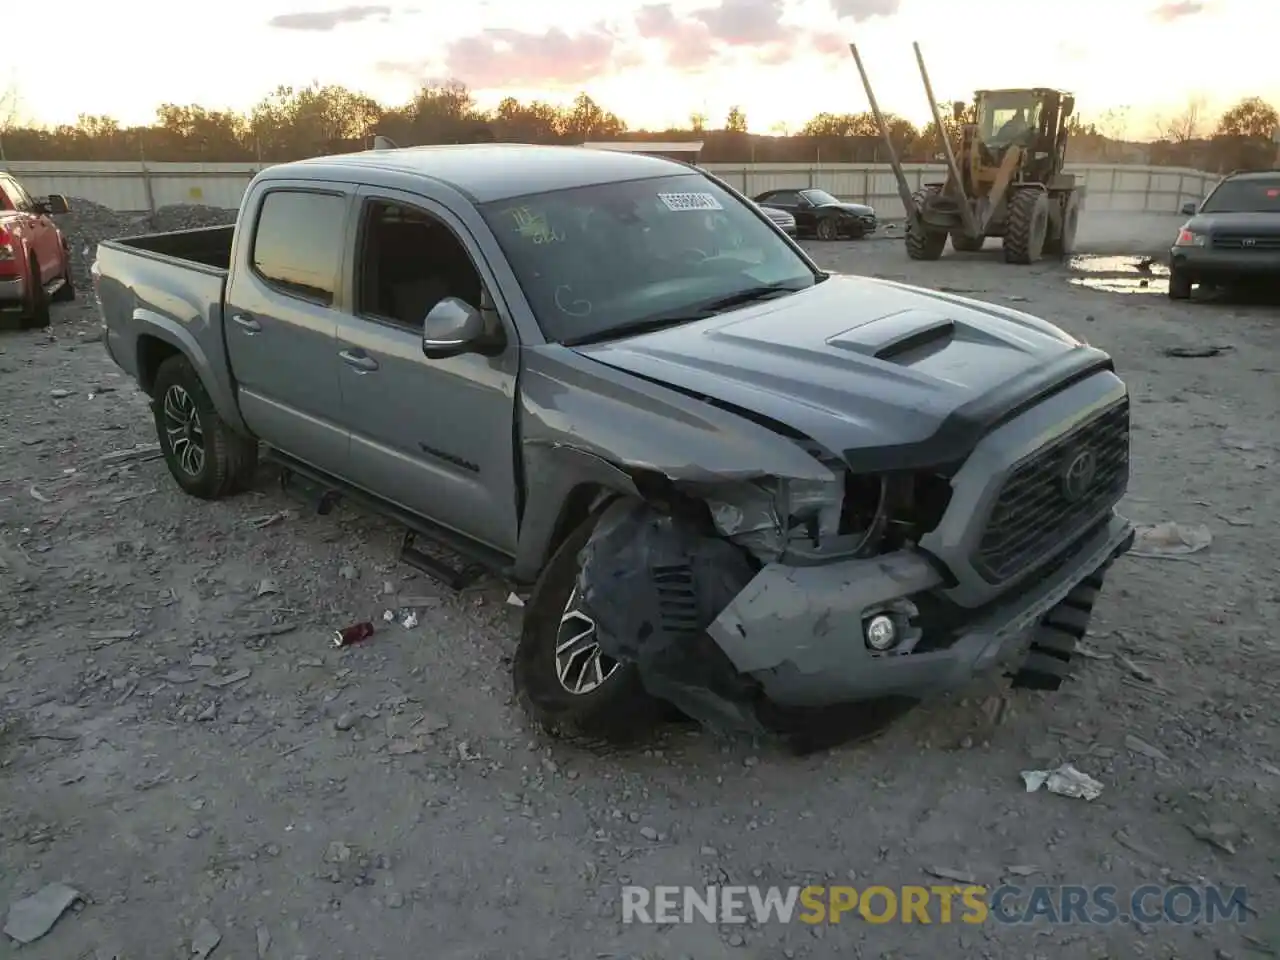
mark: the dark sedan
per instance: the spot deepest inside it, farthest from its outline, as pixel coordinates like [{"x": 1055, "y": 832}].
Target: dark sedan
[{"x": 819, "y": 214}]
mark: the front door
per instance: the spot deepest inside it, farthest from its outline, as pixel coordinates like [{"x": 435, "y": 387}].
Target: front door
[
  {"x": 280, "y": 320},
  {"x": 433, "y": 436}
]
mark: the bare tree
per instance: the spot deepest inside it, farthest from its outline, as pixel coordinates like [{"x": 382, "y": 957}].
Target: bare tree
[
  {"x": 1185, "y": 125},
  {"x": 10, "y": 105}
]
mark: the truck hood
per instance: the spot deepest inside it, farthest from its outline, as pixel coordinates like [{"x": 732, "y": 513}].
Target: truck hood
[
  {"x": 1254, "y": 224},
  {"x": 875, "y": 371}
]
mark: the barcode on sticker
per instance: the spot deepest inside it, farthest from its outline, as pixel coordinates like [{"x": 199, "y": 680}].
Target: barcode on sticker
[{"x": 690, "y": 201}]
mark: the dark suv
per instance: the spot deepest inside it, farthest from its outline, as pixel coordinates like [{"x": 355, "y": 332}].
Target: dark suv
[{"x": 1233, "y": 236}]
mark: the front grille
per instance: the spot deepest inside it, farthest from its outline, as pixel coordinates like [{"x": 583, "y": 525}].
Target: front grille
[
  {"x": 1033, "y": 513},
  {"x": 1245, "y": 241}
]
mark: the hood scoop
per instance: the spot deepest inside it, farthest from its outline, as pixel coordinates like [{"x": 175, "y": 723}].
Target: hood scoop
[{"x": 896, "y": 334}]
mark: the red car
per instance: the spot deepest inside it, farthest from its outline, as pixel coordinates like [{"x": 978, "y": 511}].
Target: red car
[{"x": 35, "y": 264}]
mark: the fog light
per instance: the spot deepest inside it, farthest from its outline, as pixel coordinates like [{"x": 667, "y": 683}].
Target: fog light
[{"x": 881, "y": 633}]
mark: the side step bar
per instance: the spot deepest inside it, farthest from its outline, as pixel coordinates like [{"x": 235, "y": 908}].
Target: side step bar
[{"x": 473, "y": 560}]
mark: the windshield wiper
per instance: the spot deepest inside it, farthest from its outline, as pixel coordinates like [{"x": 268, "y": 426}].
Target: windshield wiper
[
  {"x": 749, "y": 295},
  {"x": 698, "y": 311}
]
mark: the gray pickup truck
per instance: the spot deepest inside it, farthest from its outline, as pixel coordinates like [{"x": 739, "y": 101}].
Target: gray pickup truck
[{"x": 737, "y": 483}]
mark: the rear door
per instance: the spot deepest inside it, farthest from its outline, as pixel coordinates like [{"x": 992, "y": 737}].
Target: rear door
[{"x": 280, "y": 320}]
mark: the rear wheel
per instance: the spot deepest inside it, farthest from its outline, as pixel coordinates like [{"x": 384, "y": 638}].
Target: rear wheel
[
  {"x": 206, "y": 457},
  {"x": 1027, "y": 227},
  {"x": 924, "y": 242},
  {"x": 35, "y": 314},
  {"x": 1179, "y": 284},
  {"x": 827, "y": 229},
  {"x": 67, "y": 292}
]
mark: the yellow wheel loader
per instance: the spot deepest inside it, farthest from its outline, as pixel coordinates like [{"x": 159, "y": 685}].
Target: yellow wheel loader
[{"x": 1006, "y": 182}]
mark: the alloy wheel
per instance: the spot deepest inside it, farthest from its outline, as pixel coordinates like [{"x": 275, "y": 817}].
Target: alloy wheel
[
  {"x": 182, "y": 427},
  {"x": 581, "y": 666}
]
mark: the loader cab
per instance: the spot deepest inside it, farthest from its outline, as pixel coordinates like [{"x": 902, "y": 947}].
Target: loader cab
[{"x": 1034, "y": 119}]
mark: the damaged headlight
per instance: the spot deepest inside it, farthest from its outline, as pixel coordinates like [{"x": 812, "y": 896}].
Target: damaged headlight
[{"x": 767, "y": 516}]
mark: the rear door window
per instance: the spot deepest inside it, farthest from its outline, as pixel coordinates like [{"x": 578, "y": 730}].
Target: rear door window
[{"x": 298, "y": 245}]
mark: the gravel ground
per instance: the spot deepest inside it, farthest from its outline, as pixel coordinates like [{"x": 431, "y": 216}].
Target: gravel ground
[{"x": 180, "y": 743}]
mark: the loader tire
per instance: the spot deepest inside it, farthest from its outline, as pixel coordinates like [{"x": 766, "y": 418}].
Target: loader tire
[
  {"x": 923, "y": 242},
  {"x": 1028, "y": 226},
  {"x": 1063, "y": 244},
  {"x": 963, "y": 243}
]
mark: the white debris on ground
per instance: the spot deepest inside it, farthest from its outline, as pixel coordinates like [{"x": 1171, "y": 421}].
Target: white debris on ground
[{"x": 1065, "y": 781}]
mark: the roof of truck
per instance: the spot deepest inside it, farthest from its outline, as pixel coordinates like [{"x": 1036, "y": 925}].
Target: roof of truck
[{"x": 484, "y": 171}]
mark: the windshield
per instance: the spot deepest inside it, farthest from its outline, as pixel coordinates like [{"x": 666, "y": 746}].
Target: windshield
[
  {"x": 1004, "y": 118},
  {"x": 1254, "y": 195},
  {"x": 818, "y": 197},
  {"x": 595, "y": 259}
]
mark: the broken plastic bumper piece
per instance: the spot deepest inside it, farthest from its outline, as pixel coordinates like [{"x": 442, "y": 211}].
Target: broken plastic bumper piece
[{"x": 806, "y": 633}]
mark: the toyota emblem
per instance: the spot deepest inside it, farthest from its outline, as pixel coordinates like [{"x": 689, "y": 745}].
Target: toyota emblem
[{"x": 1078, "y": 477}]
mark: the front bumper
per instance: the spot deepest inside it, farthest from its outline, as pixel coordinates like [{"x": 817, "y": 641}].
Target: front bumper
[
  {"x": 1208, "y": 263},
  {"x": 798, "y": 630}
]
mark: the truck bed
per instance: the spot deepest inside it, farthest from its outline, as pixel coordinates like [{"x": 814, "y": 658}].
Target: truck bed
[
  {"x": 208, "y": 246},
  {"x": 162, "y": 293}
]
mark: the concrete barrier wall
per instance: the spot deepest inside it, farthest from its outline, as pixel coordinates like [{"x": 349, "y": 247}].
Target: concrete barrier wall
[{"x": 136, "y": 187}]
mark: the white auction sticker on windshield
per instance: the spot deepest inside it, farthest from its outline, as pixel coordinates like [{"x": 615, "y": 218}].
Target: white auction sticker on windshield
[{"x": 690, "y": 201}]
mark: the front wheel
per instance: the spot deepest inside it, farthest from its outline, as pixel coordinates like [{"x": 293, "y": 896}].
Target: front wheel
[
  {"x": 1027, "y": 227},
  {"x": 563, "y": 679},
  {"x": 827, "y": 230},
  {"x": 206, "y": 457}
]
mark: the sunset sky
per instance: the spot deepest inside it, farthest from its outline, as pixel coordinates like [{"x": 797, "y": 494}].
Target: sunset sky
[{"x": 652, "y": 63}]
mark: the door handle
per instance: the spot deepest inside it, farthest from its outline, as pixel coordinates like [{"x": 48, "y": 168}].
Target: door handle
[
  {"x": 247, "y": 323},
  {"x": 360, "y": 361}
]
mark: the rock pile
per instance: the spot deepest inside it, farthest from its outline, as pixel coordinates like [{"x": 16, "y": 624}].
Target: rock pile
[{"x": 89, "y": 223}]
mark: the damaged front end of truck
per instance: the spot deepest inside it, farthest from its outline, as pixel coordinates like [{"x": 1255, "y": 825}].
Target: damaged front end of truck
[
  {"x": 678, "y": 584},
  {"x": 750, "y": 598}
]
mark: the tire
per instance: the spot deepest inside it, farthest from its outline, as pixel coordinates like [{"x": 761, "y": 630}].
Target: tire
[
  {"x": 924, "y": 243},
  {"x": 828, "y": 230},
  {"x": 962, "y": 243},
  {"x": 1064, "y": 244},
  {"x": 618, "y": 710},
  {"x": 214, "y": 461},
  {"x": 1179, "y": 284},
  {"x": 67, "y": 292},
  {"x": 1027, "y": 227},
  {"x": 35, "y": 315}
]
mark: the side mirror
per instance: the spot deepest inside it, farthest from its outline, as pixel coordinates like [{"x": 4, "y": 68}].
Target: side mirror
[
  {"x": 57, "y": 204},
  {"x": 1189, "y": 209},
  {"x": 957, "y": 110},
  {"x": 1068, "y": 106},
  {"x": 453, "y": 327},
  {"x": 803, "y": 201}
]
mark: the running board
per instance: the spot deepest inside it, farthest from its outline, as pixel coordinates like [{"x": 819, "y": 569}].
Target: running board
[
  {"x": 476, "y": 559},
  {"x": 51, "y": 288}
]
